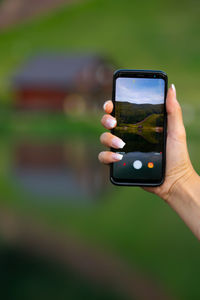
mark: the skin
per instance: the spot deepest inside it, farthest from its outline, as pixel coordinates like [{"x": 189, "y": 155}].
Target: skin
[{"x": 181, "y": 188}]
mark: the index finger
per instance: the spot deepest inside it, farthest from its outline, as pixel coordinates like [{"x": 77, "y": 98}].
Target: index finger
[{"x": 108, "y": 106}]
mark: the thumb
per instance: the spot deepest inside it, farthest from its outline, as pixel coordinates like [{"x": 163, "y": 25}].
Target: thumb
[{"x": 175, "y": 126}]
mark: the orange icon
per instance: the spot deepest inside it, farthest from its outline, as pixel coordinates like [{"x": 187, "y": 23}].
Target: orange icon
[{"x": 150, "y": 165}]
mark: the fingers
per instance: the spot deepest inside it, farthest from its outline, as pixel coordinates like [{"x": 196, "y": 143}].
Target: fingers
[
  {"x": 110, "y": 140},
  {"x": 107, "y": 157},
  {"x": 108, "y": 121},
  {"x": 175, "y": 125},
  {"x": 108, "y": 107}
]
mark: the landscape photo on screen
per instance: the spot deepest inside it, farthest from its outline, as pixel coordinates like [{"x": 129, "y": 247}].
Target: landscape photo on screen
[{"x": 139, "y": 110}]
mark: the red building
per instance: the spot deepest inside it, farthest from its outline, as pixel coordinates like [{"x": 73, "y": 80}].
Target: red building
[{"x": 70, "y": 82}]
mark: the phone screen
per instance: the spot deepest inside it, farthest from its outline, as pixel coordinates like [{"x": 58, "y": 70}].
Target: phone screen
[{"x": 140, "y": 112}]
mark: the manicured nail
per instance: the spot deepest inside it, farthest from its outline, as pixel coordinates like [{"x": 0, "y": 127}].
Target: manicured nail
[
  {"x": 104, "y": 106},
  {"x": 111, "y": 122},
  {"x": 173, "y": 88},
  {"x": 117, "y": 143},
  {"x": 117, "y": 156}
]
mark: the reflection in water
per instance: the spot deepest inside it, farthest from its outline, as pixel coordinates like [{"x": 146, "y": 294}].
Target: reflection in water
[
  {"x": 152, "y": 135},
  {"x": 59, "y": 169}
]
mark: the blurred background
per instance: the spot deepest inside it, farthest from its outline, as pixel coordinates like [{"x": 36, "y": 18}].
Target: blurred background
[{"x": 65, "y": 232}]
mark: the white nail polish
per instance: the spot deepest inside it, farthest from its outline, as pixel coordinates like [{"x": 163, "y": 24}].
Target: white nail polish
[
  {"x": 110, "y": 122},
  {"x": 117, "y": 143},
  {"x": 117, "y": 156},
  {"x": 173, "y": 88},
  {"x": 104, "y": 106}
]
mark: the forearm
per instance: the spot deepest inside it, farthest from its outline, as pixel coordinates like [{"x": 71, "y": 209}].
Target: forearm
[{"x": 185, "y": 200}]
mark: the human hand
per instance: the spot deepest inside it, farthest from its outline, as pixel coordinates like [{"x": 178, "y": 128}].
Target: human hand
[{"x": 178, "y": 166}]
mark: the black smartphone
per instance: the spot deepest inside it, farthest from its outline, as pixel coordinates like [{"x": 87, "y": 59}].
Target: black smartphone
[{"x": 139, "y": 98}]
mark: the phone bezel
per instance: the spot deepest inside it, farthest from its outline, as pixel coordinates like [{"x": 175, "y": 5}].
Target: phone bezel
[{"x": 141, "y": 74}]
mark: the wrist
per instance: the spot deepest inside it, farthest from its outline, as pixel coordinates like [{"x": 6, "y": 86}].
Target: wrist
[
  {"x": 184, "y": 199},
  {"x": 183, "y": 186}
]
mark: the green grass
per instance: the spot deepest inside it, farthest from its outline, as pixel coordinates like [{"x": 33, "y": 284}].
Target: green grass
[
  {"x": 48, "y": 125},
  {"x": 145, "y": 35}
]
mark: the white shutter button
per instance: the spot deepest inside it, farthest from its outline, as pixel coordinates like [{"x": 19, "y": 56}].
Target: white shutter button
[{"x": 137, "y": 164}]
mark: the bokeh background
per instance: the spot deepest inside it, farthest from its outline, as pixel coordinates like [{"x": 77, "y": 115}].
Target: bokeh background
[{"x": 65, "y": 232}]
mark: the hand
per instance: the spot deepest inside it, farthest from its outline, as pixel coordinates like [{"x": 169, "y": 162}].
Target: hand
[{"x": 178, "y": 166}]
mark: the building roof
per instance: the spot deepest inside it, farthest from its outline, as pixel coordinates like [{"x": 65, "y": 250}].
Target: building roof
[{"x": 55, "y": 70}]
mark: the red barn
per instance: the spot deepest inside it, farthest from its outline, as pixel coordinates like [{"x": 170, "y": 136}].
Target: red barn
[{"x": 70, "y": 82}]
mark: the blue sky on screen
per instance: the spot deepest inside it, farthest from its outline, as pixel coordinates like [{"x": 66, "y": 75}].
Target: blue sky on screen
[{"x": 140, "y": 90}]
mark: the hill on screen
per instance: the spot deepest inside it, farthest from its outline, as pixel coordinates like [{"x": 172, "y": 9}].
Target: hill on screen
[{"x": 127, "y": 112}]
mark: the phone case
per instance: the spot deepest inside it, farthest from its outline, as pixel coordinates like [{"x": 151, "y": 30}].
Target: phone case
[{"x": 141, "y": 74}]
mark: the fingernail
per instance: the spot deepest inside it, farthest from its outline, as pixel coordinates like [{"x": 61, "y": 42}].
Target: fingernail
[
  {"x": 117, "y": 143},
  {"x": 111, "y": 122},
  {"x": 173, "y": 88},
  {"x": 104, "y": 106},
  {"x": 117, "y": 156}
]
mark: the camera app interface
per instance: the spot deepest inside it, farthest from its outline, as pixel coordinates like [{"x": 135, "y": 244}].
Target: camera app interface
[{"x": 139, "y": 110}]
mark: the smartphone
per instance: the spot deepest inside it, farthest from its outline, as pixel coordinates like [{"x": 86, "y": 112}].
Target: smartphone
[{"x": 139, "y": 98}]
